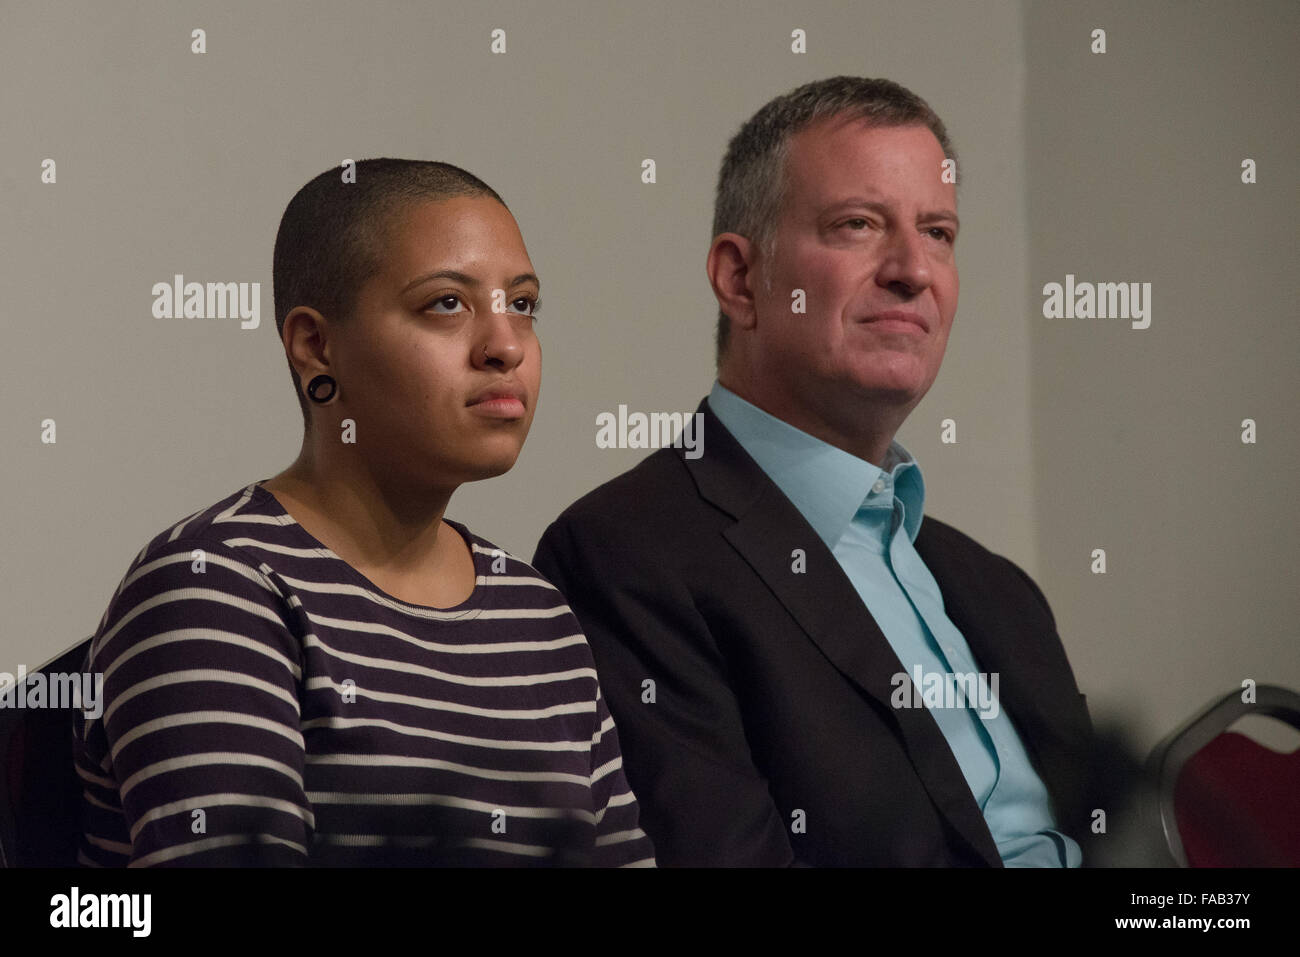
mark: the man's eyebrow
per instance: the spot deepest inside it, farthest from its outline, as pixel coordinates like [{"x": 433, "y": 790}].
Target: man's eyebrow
[
  {"x": 467, "y": 280},
  {"x": 929, "y": 216},
  {"x": 941, "y": 215}
]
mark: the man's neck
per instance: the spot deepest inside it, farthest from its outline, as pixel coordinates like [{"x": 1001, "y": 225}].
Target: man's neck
[{"x": 870, "y": 437}]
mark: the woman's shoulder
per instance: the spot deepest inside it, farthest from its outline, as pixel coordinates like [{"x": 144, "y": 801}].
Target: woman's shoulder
[
  {"x": 222, "y": 537},
  {"x": 202, "y": 569},
  {"x": 240, "y": 525},
  {"x": 503, "y": 569}
]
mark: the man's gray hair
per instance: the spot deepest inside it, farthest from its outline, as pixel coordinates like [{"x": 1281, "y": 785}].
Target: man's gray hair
[{"x": 752, "y": 182}]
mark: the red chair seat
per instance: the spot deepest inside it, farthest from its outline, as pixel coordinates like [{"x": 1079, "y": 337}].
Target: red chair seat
[{"x": 1238, "y": 805}]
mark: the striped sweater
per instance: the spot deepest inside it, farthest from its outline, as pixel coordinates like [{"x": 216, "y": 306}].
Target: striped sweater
[{"x": 266, "y": 704}]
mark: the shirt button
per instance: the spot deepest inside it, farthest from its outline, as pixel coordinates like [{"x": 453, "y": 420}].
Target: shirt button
[{"x": 879, "y": 486}]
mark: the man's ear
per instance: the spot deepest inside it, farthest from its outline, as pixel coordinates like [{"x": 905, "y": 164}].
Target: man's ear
[{"x": 731, "y": 257}]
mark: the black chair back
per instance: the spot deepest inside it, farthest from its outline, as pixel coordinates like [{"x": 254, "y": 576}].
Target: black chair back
[{"x": 40, "y": 793}]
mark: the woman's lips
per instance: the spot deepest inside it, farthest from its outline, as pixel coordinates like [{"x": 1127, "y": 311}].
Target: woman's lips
[{"x": 499, "y": 407}]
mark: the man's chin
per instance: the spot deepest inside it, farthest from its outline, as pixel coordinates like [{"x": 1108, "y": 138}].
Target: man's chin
[
  {"x": 882, "y": 390},
  {"x": 898, "y": 384}
]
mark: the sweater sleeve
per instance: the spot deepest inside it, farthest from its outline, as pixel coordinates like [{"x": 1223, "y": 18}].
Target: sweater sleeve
[
  {"x": 620, "y": 842},
  {"x": 203, "y": 746}
]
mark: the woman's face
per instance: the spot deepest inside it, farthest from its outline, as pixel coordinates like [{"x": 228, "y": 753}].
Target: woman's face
[{"x": 441, "y": 367}]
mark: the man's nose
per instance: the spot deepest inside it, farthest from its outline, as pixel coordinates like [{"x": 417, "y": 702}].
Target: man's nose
[{"x": 906, "y": 261}]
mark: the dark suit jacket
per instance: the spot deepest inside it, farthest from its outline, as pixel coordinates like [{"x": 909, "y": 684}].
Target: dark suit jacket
[{"x": 772, "y": 689}]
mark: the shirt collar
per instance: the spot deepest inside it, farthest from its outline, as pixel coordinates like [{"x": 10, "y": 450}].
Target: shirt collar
[{"x": 826, "y": 484}]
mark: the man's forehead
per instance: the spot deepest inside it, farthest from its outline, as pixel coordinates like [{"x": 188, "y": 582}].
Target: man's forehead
[
  {"x": 849, "y": 122},
  {"x": 825, "y": 156},
  {"x": 846, "y": 136}
]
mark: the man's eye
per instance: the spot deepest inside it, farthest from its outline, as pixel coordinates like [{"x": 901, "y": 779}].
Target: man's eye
[
  {"x": 857, "y": 223},
  {"x": 444, "y": 300},
  {"x": 944, "y": 234}
]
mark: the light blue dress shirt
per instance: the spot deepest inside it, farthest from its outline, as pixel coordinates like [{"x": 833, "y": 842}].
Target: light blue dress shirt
[{"x": 860, "y": 512}]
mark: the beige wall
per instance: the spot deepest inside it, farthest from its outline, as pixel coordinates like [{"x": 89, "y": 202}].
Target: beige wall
[
  {"x": 1134, "y": 173},
  {"x": 1071, "y": 435}
]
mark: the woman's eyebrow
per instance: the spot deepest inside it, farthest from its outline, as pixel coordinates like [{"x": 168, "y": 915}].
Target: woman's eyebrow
[
  {"x": 467, "y": 280},
  {"x": 451, "y": 274}
]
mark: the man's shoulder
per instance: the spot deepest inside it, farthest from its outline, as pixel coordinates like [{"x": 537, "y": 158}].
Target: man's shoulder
[
  {"x": 938, "y": 542},
  {"x": 937, "y": 533},
  {"x": 655, "y": 494}
]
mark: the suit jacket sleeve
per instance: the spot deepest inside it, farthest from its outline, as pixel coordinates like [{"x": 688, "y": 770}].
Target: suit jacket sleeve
[{"x": 684, "y": 747}]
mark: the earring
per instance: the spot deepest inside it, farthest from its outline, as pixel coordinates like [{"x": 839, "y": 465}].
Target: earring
[{"x": 319, "y": 382}]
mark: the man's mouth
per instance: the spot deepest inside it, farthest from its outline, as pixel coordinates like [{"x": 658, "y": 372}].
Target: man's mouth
[{"x": 899, "y": 320}]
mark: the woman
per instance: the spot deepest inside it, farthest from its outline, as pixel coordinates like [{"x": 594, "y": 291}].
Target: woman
[{"x": 320, "y": 668}]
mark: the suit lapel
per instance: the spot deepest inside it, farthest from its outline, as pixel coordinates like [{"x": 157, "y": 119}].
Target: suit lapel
[{"x": 822, "y": 600}]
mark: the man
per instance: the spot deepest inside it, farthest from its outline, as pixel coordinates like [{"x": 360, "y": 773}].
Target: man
[{"x": 778, "y": 632}]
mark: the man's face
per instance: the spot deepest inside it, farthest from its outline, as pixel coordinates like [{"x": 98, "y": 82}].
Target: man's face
[
  {"x": 866, "y": 230},
  {"x": 427, "y": 350}
]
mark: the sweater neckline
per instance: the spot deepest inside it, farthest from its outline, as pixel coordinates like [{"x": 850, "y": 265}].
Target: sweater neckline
[{"x": 470, "y": 607}]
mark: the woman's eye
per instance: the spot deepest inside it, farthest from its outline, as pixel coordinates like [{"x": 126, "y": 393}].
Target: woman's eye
[
  {"x": 450, "y": 301},
  {"x": 527, "y": 306}
]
